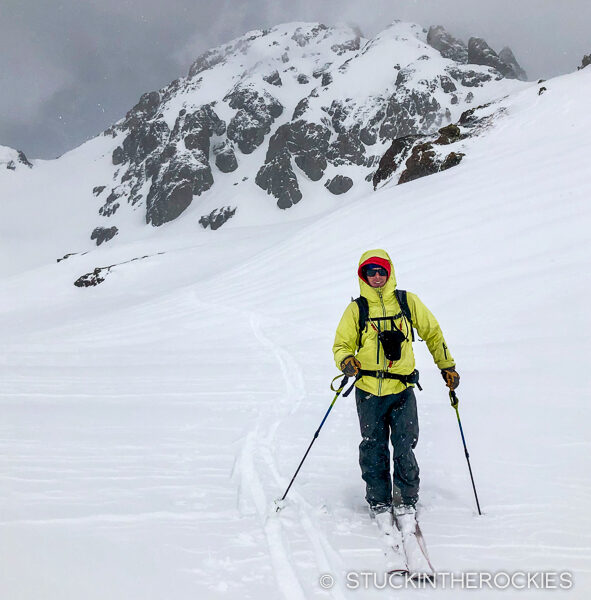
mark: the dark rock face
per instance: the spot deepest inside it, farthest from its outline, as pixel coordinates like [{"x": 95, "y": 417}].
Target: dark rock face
[
  {"x": 480, "y": 53},
  {"x": 197, "y": 128},
  {"x": 247, "y": 131},
  {"x": 448, "y": 46},
  {"x": 277, "y": 178},
  {"x": 347, "y": 149},
  {"x": 110, "y": 207},
  {"x": 175, "y": 162},
  {"x": 185, "y": 176},
  {"x": 300, "y": 109},
  {"x": 424, "y": 161},
  {"x": 20, "y": 159},
  {"x": 469, "y": 78},
  {"x": 143, "y": 140},
  {"x": 507, "y": 56},
  {"x": 339, "y": 184},
  {"x": 145, "y": 109},
  {"x": 98, "y": 190},
  {"x": 449, "y": 135},
  {"x": 217, "y": 217},
  {"x": 225, "y": 159},
  {"x": 103, "y": 234},
  {"x": 410, "y": 114},
  {"x": 252, "y": 122},
  {"x": 420, "y": 155},
  {"x": 350, "y": 45},
  {"x": 306, "y": 142},
  {"x": 326, "y": 79},
  {"x": 92, "y": 279},
  {"x": 303, "y": 79},
  {"x": 274, "y": 79},
  {"x": 393, "y": 158},
  {"x": 585, "y": 62}
]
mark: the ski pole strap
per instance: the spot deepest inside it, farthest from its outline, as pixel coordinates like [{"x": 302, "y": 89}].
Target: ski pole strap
[
  {"x": 341, "y": 386},
  {"x": 454, "y": 399},
  {"x": 406, "y": 379},
  {"x": 345, "y": 394}
]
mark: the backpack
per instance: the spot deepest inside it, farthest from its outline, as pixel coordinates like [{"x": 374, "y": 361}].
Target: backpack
[{"x": 364, "y": 313}]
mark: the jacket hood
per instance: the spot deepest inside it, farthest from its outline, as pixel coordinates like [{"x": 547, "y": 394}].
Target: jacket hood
[{"x": 383, "y": 258}]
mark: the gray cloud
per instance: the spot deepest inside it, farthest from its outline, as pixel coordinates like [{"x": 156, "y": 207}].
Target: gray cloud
[{"x": 70, "y": 70}]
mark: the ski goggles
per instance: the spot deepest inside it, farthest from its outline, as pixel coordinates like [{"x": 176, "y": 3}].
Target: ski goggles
[{"x": 373, "y": 270}]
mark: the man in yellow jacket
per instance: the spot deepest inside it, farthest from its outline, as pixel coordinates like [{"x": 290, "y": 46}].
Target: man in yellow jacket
[{"x": 381, "y": 357}]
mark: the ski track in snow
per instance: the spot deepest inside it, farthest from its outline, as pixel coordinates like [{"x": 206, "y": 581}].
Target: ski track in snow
[{"x": 260, "y": 443}]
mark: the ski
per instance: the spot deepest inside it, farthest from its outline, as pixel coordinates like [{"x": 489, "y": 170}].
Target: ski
[
  {"x": 417, "y": 559},
  {"x": 392, "y": 542}
]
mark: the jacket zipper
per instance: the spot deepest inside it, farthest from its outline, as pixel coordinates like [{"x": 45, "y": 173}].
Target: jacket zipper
[{"x": 445, "y": 350}]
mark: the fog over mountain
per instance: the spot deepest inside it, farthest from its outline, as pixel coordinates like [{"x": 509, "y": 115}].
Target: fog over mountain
[{"x": 71, "y": 70}]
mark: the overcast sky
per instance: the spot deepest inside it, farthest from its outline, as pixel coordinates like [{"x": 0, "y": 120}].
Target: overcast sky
[{"x": 70, "y": 68}]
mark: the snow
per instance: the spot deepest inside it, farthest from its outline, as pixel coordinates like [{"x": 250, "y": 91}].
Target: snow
[{"x": 149, "y": 423}]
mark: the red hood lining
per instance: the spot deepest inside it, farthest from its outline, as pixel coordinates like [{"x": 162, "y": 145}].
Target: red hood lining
[{"x": 376, "y": 260}]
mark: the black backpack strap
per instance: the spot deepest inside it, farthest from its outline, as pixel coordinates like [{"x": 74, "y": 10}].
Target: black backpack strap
[
  {"x": 363, "y": 317},
  {"x": 402, "y": 298}
]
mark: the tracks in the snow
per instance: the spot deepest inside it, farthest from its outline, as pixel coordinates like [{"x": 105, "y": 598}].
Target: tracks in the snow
[{"x": 258, "y": 470}]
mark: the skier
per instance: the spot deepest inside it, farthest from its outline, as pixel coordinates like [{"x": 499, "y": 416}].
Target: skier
[{"x": 373, "y": 343}]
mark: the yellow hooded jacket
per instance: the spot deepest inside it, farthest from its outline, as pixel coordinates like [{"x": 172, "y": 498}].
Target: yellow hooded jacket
[{"x": 383, "y": 303}]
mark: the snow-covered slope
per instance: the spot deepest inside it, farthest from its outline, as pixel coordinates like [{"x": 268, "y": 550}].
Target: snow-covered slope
[
  {"x": 149, "y": 422},
  {"x": 286, "y": 117}
]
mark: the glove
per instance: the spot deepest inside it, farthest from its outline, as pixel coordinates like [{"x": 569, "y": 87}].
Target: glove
[
  {"x": 451, "y": 378},
  {"x": 350, "y": 366}
]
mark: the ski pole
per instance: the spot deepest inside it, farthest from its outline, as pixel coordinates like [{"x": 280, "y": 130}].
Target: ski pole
[
  {"x": 338, "y": 392},
  {"x": 454, "y": 402}
]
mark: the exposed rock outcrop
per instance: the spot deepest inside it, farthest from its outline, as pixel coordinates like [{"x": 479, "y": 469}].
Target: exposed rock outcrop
[
  {"x": 277, "y": 178},
  {"x": 448, "y": 46},
  {"x": 420, "y": 154},
  {"x": 339, "y": 184},
  {"x": 306, "y": 142},
  {"x": 252, "y": 122},
  {"x": 507, "y": 56},
  {"x": 273, "y": 78},
  {"x": 217, "y": 217},
  {"x": 424, "y": 160},
  {"x": 585, "y": 62},
  {"x": 480, "y": 53},
  {"x": 12, "y": 159},
  {"x": 103, "y": 234},
  {"x": 92, "y": 279},
  {"x": 396, "y": 154},
  {"x": 225, "y": 158}
]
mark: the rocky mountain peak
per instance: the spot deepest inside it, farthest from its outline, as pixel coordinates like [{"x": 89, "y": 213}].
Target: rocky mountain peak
[
  {"x": 448, "y": 46},
  {"x": 480, "y": 53},
  {"x": 301, "y": 106}
]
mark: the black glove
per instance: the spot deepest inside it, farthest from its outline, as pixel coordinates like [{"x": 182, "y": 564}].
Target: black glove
[
  {"x": 350, "y": 366},
  {"x": 451, "y": 377}
]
